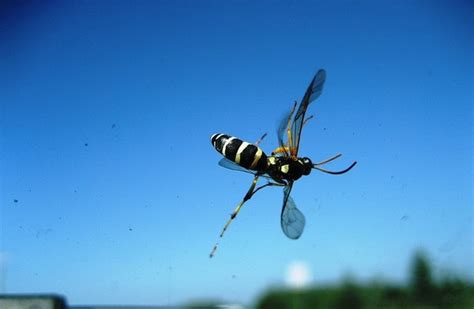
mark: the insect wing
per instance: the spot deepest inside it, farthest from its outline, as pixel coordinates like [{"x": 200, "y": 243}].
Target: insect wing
[
  {"x": 224, "y": 162},
  {"x": 292, "y": 220},
  {"x": 314, "y": 90}
]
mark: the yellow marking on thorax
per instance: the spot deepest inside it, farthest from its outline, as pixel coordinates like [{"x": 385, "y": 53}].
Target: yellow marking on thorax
[{"x": 271, "y": 160}]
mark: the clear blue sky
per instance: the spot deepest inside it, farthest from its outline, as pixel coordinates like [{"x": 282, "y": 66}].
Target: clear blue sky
[{"x": 106, "y": 113}]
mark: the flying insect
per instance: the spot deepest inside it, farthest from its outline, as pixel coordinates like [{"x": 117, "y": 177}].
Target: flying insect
[{"x": 283, "y": 167}]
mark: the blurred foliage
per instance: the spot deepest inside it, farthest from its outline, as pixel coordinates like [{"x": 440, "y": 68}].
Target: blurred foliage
[
  {"x": 422, "y": 291},
  {"x": 421, "y": 283},
  {"x": 202, "y": 303}
]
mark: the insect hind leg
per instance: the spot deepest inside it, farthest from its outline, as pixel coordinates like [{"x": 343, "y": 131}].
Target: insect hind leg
[
  {"x": 247, "y": 197},
  {"x": 288, "y": 129},
  {"x": 286, "y": 148},
  {"x": 234, "y": 214},
  {"x": 307, "y": 119}
]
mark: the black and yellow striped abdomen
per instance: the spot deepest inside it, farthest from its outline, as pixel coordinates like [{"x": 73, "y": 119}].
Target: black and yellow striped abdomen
[{"x": 244, "y": 154}]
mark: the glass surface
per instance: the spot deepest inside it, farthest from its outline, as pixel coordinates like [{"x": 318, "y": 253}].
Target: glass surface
[{"x": 111, "y": 192}]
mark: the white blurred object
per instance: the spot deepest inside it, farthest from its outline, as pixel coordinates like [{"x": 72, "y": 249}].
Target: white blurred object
[{"x": 298, "y": 274}]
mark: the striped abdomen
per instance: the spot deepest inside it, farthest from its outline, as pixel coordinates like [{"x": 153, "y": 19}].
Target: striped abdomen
[{"x": 244, "y": 154}]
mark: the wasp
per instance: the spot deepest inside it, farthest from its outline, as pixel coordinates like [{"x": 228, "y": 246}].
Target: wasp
[{"x": 283, "y": 167}]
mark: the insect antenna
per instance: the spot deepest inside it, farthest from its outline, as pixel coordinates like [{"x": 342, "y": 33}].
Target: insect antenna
[
  {"x": 317, "y": 166},
  {"x": 328, "y": 160}
]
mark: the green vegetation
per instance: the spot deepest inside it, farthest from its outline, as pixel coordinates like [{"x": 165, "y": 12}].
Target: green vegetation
[{"x": 422, "y": 291}]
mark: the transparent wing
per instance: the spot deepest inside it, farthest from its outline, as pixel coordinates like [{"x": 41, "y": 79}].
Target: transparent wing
[
  {"x": 224, "y": 162},
  {"x": 282, "y": 130},
  {"x": 314, "y": 90},
  {"x": 292, "y": 220}
]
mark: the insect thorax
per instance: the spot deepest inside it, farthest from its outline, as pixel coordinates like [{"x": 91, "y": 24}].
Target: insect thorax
[{"x": 286, "y": 168}]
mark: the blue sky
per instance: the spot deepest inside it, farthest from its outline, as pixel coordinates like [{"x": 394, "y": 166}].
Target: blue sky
[{"x": 110, "y": 188}]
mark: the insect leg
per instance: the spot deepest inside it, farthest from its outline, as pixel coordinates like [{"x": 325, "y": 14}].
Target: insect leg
[
  {"x": 260, "y": 139},
  {"x": 268, "y": 185},
  {"x": 306, "y": 120},
  {"x": 288, "y": 127},
  {"x": 287, "y": 149},
  {"x": 247, "y": 196}
]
